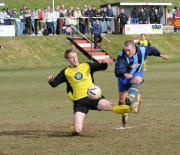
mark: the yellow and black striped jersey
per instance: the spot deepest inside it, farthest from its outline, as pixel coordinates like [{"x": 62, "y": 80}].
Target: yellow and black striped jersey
[{"x": 78, "y": 79}]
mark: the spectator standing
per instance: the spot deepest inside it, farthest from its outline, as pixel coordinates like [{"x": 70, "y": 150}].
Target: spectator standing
[
  {"x": 94, "y": 13},
  {"x": 103, "y": 19},
  {"x": 174, "y": 11},
  {"x": 146, "y": 11},
  {"x": 49, "y": 21},
  {"x": 71, "y": 11},
  {"x": 142, "y": 17},
  {"x": 109, "y": 15},
  {"x": 27, "y": 20},
  {"x": 43, "y": 22},
  {"x": 62, "y": 20},
  {"x": 178, "y": 13},
  {"x": 82, "y": 23},
  {"x": 40, "y": 18},
  {"x": 33, "y": 21},
  {"x": 3, "y": 15},
  {"x": 123, "y": 18},
  {"x": 77, "y": 15},
  {"x": 158, "y": 16},
  {"x": 152, "y": 15},
  {"x": 19, "y": 23},
  {"x": 97, "y": 33},
  {"x": 55, "y": 16},
  {"x": 134, "y": 16}
]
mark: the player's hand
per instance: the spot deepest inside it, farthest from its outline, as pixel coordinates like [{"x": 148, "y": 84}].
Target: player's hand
[
  {"x": 50, "y": 77},
  {"x": 165, "y": 57},
  {"x": 127, "y": 75}
]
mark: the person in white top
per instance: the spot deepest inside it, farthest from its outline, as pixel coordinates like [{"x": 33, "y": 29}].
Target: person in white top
[
  {"x": 77, "y": 14},
  {"x": 55, "y": 16},
  {"x": 3, "y": 15},
  {"x": 49, "y": 21}
]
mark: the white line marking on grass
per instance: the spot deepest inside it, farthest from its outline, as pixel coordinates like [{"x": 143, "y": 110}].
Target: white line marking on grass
[{"x": 123, "y": 128}]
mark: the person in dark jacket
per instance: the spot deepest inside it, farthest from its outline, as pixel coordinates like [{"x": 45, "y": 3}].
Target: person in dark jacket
[
  {"x": 97, "y": 33},
  {"x": 152, "y": 15},
  {"x": 129, "y": 71},
  {"x": 142, "y": 17},
  {"x": 109, "y": 15},
  {"x": 123, "y": 18},
  {"x": 134, "y": 16}
]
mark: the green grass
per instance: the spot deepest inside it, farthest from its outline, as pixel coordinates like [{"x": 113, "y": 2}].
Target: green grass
[
  {"x": 75, "y": 3},
  {"x": 167, "y": 44},
  {"x": 35, "y": 119},
  {"x": 45, "y": 52},
  {"x": 33, "y": 52}
]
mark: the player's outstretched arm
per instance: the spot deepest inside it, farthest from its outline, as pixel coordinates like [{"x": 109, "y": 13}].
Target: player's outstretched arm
[
  {"x": 155, "y": 52},
  {"x": 55, "y": 81}
]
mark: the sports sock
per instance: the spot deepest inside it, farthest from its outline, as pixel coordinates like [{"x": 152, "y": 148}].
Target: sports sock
[
  {"x": 133, "y": 90},
  {"x": 121, "y": 109}
]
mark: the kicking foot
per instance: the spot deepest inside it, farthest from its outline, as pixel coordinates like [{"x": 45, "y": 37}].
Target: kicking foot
[
  {"x": 136, "y": 105},
  {"x": 130, "y": 100}
]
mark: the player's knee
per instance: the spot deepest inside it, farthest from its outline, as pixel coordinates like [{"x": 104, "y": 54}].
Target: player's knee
[
  {"x": 105, "y": 105},
  {"x": 137, "y": 80}
]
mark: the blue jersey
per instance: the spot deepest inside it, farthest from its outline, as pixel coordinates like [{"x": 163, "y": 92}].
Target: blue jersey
[
  {"x": 134, "y": 64},
  {"x": 97, "y": 29}
]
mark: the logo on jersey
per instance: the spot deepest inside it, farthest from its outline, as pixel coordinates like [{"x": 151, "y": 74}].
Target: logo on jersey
[{"x": 78, "y": 76}]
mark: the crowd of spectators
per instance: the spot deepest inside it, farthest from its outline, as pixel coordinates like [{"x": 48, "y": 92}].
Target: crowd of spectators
[
  {"x": 173, "y": 13},
  {"x": 61, "y": 20},
  {"x": 57, "y": 21},
  {"x": 146, "y": 16}
]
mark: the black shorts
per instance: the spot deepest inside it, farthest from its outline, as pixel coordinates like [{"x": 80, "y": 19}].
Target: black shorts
[{"x": 83, "y": 105}]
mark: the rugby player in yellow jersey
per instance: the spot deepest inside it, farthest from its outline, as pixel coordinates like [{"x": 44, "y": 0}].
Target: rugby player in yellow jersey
[{"x": 79, "y": 77}]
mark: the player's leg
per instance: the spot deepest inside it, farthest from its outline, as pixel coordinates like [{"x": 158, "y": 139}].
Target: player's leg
[
  {"x": 106, "y": 105},
  {"x": 122, "y": 97},
  {"x": 133, "y": 91},
  {"x": 78, "y": 122},
  {"x": 99, "y": 40},
  {"x": 80, "y": 110},
  {"x": 95, "y": 41}
]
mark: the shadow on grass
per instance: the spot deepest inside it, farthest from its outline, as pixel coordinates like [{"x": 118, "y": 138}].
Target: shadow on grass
[{"x": 40, "y": 133}]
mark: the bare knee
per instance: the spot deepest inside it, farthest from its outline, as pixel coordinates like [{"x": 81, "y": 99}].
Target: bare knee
[
  {"x": 104, "y": 105},
  {"x": 137, "y": 79}
]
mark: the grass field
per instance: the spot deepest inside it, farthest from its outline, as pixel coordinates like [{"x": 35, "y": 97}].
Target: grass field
[
  {"x": 45, "y": 52},
  {"x": 35, "y": 119},
  {"x": 42, "y": 3}
]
